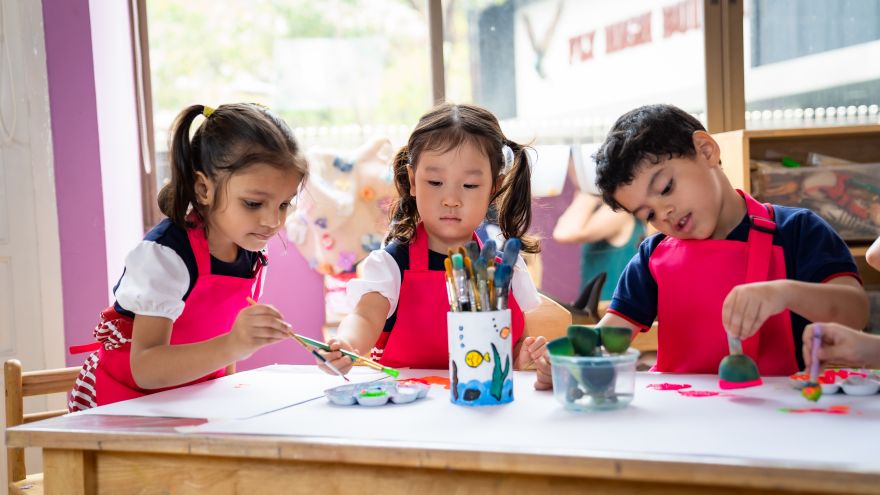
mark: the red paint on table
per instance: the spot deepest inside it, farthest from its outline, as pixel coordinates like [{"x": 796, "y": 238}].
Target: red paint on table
[
  {"x": 429, "y": 380},
  {"x": 668, "y": 386}
]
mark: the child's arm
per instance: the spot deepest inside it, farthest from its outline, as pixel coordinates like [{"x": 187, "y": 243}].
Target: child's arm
[
  {"x": 587, "y": 220},
  {"x": 748, "y": 306},
  {"x": 358, "y": 331},
  {"x": 873, "y": 254},
  {"x": 843, "y": 346},
  {"x": 157, "y": 364}
]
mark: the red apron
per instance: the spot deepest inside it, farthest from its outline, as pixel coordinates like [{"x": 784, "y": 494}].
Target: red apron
[
  {"x": 210, "y": 310},
  {"x": 695, "y": 276},
  {"x": 418, "y": 338}
]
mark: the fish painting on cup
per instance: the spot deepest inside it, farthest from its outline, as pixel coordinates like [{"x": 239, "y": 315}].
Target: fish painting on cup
[{"x": 480, "y": 357}]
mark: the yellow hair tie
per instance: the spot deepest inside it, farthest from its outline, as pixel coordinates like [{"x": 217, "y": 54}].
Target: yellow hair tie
[{"x": 207, "y": 111}]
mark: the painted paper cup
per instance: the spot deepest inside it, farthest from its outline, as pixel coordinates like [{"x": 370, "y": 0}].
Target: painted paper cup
[{"x": 480, "y": 357}]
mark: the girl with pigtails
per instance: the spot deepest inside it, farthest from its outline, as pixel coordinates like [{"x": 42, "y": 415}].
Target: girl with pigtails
[
  {"x": 456, "y": 164},
  {"x": 181, "y": 313}
]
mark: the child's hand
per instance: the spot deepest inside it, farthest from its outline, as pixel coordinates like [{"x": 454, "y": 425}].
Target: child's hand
[
  {"x": 842, "y": 345},
  {"x": 256, "y": 326},
  {"x": 748, "y": 306},
  {"x": 342, "y": 362},
  {"x": 533, "y": 353}
]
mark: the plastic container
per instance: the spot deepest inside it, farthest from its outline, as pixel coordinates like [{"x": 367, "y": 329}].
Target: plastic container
[
  {"x": 376, "y": 394},
  {"x": 594, "y": 383},
  {"x": 847, "y": 196}
]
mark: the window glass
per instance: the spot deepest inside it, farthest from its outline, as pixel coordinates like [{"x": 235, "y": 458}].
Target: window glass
[
  {"x": 340, "y": 72},
  {"x": 559, "y": 73},
  {"x": 825, "y": 51}
]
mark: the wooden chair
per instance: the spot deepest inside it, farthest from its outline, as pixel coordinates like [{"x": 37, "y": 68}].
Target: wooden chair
[
  {"x": 26, "y": 384},
  {"x": 549, "y": 319}
]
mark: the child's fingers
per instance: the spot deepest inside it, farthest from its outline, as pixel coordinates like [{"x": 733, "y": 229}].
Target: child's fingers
[
  {"x": 537, "y": 346},
  {"x": 727, "y": 313},
  {"x": 543, "y": 377},
  {"x": 264, "y": 309},
  {"x": 272, "y": 323}
]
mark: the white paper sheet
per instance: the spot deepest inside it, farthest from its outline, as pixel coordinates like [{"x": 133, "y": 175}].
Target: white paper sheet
[
  {"x": 237, "y": 396},
  {"x": 746, "y": 424},
  {"x": 549, "y": 166}
]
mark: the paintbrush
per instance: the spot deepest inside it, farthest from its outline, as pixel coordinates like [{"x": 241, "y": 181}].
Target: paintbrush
[
  {"x": 813, "y": 390},
  {"x": 481, "y": 274},
  {"x": 503, "y": 273},
  {"x": 462, "y": 285},
  {"x": 488, "y": 252},
  {"x": 310, "y": 349},
  {"x": 354, "y": 357},
  {"x": 474, "y": 287},
  {"x": 321, "y": 358},
  {"x": 511, "y": 251},
  {"x": 472, "y": 249},
  {"x": 450, "y": 286}
]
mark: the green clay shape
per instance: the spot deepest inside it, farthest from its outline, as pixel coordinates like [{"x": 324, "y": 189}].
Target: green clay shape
[
  {"x": 738, "y": 368},
  {"x": 560, "y": 347},
  {"x": 584, "y": 339},
  {"x": 616, "y": 339}
]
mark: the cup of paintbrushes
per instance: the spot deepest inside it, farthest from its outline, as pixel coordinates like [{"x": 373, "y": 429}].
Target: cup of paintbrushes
[{"x": 480, "y": 357}]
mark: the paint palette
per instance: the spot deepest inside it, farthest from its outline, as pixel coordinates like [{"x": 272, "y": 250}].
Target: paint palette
[
  {"x": 376, "y": 394},
  {"x": 850, "y": 381}
]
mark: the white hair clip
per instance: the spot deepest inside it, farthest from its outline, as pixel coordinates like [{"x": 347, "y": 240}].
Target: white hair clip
[{"x": 508, "y": 159}]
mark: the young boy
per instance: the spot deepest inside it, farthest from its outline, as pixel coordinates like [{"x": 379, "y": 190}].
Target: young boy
[{"x": 721, "y": 260}]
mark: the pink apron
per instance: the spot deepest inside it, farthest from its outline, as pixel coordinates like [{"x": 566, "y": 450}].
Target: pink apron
[
  {"x": 418, "y": 339},
  {"x": 695, "y": 276},
  {"x": 210, "y": 310}
]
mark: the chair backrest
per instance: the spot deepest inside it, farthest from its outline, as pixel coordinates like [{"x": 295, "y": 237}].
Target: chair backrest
[
  {"x": 26, "y": 384},
  {"x": 550, "y": 319}
]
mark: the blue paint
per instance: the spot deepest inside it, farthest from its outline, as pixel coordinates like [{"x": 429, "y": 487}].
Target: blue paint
[{"x": 485, "y": 398}]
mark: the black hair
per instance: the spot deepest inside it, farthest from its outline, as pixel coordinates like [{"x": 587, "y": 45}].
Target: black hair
[
  {"x": 446, "y": 127},
  {"x": 230, "y": 139},
  {"x": 653, "y": 133}
]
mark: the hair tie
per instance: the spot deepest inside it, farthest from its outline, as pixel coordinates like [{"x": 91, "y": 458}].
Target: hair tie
[
  {"x": 507, "y": 153},
  {"x": 207, "y": 111}
]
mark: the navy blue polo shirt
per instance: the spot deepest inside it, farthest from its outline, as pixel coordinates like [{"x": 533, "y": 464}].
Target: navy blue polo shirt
[{"x": 813, "y": 253}]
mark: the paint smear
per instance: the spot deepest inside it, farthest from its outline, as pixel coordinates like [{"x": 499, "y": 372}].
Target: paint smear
[
  {"x": 668, "y": 386},
  {"x": 698, "y": 393},
  {"x": 429, "y": 380},
  {"x": 828, "y": 376},
  {"x": 836, "y": 410}
]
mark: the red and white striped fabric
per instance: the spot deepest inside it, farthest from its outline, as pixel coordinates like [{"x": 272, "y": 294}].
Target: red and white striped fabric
[{"x": 112, "y": 332}]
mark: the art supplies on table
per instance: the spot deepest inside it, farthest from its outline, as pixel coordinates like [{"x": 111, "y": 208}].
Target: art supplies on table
[
  {"x": 377, "y": 393},
  {"x": 848, "y": 381},
  {"x": 480, "y": 357},
  {"x": 476, "y": 281},
  {"x": 593, "y": 368}
]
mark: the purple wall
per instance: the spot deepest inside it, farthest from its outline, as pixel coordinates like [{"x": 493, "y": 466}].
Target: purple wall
[
  {"x": 291, "y": 286},
  {"x": 562, "y": 266},
  {"x": 298, "y": 292},
  {"x": 77, "y": 166}
]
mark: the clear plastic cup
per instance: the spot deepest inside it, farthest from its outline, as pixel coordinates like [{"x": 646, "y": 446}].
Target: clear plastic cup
[{"x": 594, "y": 383}]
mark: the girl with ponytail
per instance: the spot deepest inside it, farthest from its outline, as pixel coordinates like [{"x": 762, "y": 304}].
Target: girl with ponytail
[
  {"x": 181, "y": 313},
  {"x": 456, "y": 164}
]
